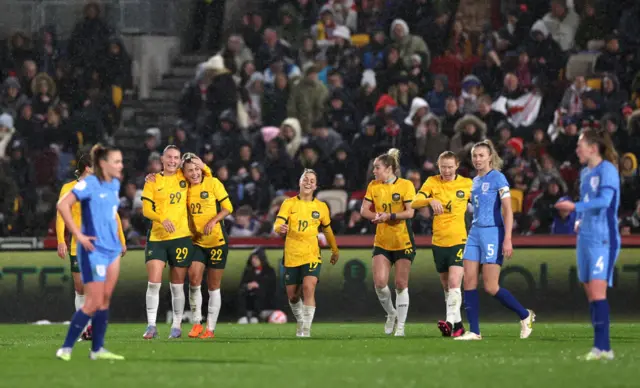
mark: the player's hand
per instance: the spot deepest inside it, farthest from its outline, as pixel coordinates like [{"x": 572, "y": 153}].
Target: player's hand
[
  {"x": 168, "y": 226},
  {"x": 124, "y": 250},
  {"x": 62, "y": 250},
  {"x": 381, "y": 218},
  {"x": 565, "y": 206},
  {"x": 253, "y": 285},
  {"x": 208, "y": 228},
  {"x": 284, "y": 229},
  {"x": 150, "y": 178},
  {"x": 198, "y": 162},
  {"x": 507, "y": 248},
  {"x": 86, "y": 241},
  {"x": 334, "y": 258},
  {"x": 436, "y": 206}
]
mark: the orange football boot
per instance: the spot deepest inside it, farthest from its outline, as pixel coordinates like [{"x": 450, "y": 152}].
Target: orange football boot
[
  {"x": 196, "y": 330},
  {"x": 207, "y": 334}
]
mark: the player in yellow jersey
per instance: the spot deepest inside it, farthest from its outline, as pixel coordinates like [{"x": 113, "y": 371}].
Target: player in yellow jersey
[
  {"x": 83, "y": 169},
  {"x": 299, "y": 220},
  {"x": 448, "y": 195},
  {"x": 208, "y": 204},
  {"x": 164, "y": 202},
  {"x": 391, "y": 198}
]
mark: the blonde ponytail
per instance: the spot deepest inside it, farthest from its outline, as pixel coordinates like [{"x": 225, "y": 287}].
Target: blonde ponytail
[{"x": 391, "y": 159}]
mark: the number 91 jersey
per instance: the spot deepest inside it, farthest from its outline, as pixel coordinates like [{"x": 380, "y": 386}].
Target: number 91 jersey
[
  {"x": 168, "y": 195},
  {"x": 304, "y": 219}
]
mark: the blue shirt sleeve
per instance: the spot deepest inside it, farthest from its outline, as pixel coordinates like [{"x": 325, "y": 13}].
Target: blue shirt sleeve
[
  {"x": 83, "y": 189},
  {"x": 607, "y": 189}
]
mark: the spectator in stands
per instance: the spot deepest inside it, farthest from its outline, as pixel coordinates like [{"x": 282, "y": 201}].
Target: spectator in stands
[
  {"x": 572, "y": 99},
  {"x": 562, "y": 22},
  {"x": 631, "y": 224},
  {"x": 117, "y": 66},
  {"x": 592, "y": 29},
  {"x": 47, "y": 52},
  {"x": 344, "y": 164},
  {"x": 132, "y": 236},
  {"x": 11, "y": 97},
  {"x": 89, "y": 39},
  {"x": 544, "y": 52},
  {"x": 257, "y": 288},
  {"x": 207, "y": 20},
  {"x": 542, "y": 211},
  {"x": 221, "y": 94},
  {"x": 610, "y": 61},
  {"x": 274, "y": 103},
  {"x": 430, "y": 144},
  {"x": 8, "y": 196},
  {"x": 257, "y": 190},
  {"x": 291, "y": 133},
  {"x": 183, "y": 137},
  {"x": 630, "y": 180},
  {"x": 290, "y": 28},
  {"x": 408, "y": 44},
  {"x": 311, "y": 156},
  {"x": 20, "y": 50},
  {"x": 228, "y": 137},
  {"x": 236, "y": 53},
  {"x": 29, "y": 71},
  {"x": 6, "y": 135},
  {"x": 272, "y": 47},
  {"x": 469, "y": 131},
  {"x": 547, "y": 173},
  {"x": 23, "y": 174},
  {"x": 43, "y": 90},
  {"x": 307, "y": 101},
  {"x": 355, "y": 224},
  {"x": 244, "y": 224},
  {"x": 564, "y": 222},
  {"x": 151, "y": 146}
]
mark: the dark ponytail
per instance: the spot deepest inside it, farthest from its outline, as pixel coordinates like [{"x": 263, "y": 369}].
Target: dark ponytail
[
  {"x": 602, "y": 139},
  {"x": 84, "y": 162},
  {"x": 98, "y": 153}
]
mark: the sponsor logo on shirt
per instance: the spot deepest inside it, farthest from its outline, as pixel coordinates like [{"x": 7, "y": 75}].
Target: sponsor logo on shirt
[
  {"x": 315, "y": 215},
  {"x": 460, "y": 194},
  {"x": 183, "y": 184},
  {"x": 395, "y": 197},
  {"x": 204, "y": 195}
]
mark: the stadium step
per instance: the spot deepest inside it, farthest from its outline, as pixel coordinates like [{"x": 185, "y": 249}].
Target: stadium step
[
  {"x": 176, "y": 83},
  {"x": 183, "y": 71},
  {"x": 165, "y": 94},
  {"x": 191, "y": 60}
]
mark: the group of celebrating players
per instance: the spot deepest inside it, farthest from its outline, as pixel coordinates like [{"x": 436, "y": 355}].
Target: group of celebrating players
[{"x": 187, "y": 206}]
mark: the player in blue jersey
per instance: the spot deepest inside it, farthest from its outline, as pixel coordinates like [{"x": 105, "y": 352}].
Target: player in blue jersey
[
  {"x": 598, "y": 242},
  {"x": 489, "y": 241},
  {"x": 99, "y": 248}
]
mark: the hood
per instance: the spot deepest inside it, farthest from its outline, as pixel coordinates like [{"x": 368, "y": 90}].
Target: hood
[
  {"x": 431, "y": 117},
  {"x": 6, "y": 121},
  {"x": 469, "y": 118},
  {"x": 293, "y": 145},
  {"x": 416, "y": 104},
  {"x": 614, "y": 79},
  {"x": 541, "y": 27},
  {"x": 342, "y": 32},
  {"x": 384, "y": 101},
  {"x": 613, "y": 117},
  {"x": 43, "y": 77},
  {"x": 470, "y": 81},
  {"x": 262, "y": 255},
  {"x": 269, "y": 133},
  {"x": 290, "y": 10},
  {"x": 326, "y": 8},
  {"x": 634, "y": 165},
  {"x": 368, "y": 78},
  {"x": 11, "y": 82},
  {"x": 404, "y": 25}
]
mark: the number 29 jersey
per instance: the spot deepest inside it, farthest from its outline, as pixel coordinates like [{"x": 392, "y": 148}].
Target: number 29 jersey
[
  {"x": 168, "y": 195},
  {"x": 304, "y": 218}
]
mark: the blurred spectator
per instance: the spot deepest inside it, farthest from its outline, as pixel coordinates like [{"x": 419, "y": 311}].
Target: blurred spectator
[
  {"x": 564, "y": 221},
  {"x": 89, "y": 40},
  {"x": 307, "y": 100},
  {"x": 47, "y": 52},
  {"x": 562, "y": 22},
  {"x": 258, "y": 285},
  {"x": 6, "y": 135},
  {"x": 244, "y": 224}
]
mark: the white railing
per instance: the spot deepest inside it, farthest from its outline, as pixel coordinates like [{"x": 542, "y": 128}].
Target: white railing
[{"x": 126, "y": 16}]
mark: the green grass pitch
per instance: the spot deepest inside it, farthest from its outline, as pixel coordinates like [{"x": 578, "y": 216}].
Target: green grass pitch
[{"x": 338, "y": 355}]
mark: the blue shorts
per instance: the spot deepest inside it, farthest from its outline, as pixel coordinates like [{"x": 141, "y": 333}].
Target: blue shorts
[
  {"x": 485, "y": 245},
  {"x": 93, "y": 265},
  {"x": 596, "y": 259}
]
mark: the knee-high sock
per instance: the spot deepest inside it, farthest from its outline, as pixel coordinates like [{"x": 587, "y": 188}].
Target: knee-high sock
[
  {"x": 384, "y": 296},
  {"x": 177, "y": 302},
  {"x": 509, "y": 301},
  {"x": 100, "y": 320},
  {"x": 454, "y": 301},
  {"x": 296, "y": 309},
  {"x": 402, "y": 305},
  {"x": 78, "y": 323},
  {"x": 213, "y": 309},
  {"x": 153, "y": 300},
  {"x": 600, "y": 323},
  {"x": 307, "y": 316},
  {"x": 472, "y": 305},
  {"x": 195, "y": 302}
]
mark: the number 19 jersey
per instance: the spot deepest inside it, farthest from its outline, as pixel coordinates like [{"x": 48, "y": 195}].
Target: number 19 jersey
[
  {"x": 168, "y": 194},
  {"x": 304, "y": 219}
]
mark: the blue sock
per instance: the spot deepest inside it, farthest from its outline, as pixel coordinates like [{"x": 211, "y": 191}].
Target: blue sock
[
  {"x": 78, "y": 323},
  {"x": 510, "y": 302},
  {"x": 600, "y": 321},
  {"x": 99, "y": 327},
  {"x": 472, "y": 305}
]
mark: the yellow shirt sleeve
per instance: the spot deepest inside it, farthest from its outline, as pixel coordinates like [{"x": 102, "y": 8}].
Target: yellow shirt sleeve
[
  {"x": 424, "y": 196},
  {"x": 369, "y": 194},
  {"x": 409, "y": 192},
  {"x": 60, "y": 227},
  {"x": 221, "y": 195},
  {"x": 123, "y": 240},
  {"x": 326, "y": 228},
  {"x": 147, "y": 202},
  {"x": 283, "y": 215}
]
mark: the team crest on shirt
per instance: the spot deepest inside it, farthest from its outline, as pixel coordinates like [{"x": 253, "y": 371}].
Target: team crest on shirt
[
  {"x": 485, "y": 187},
  {"x": 460, "y": 194},
  {"x": 183, "y": 184},
  {"x": 594, "y": 182},
  {"x": 204, "y": 194},
  {"x": 395, "y": 197},
  {"x": 315, "y": 215}
]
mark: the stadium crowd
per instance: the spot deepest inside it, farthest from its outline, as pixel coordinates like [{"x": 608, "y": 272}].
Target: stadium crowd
[{"x": 329, "y": 85}]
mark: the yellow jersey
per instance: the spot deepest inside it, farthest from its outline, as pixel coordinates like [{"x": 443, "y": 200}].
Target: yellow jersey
[
  {"x": 76, "y": 212},
  {"x": 449, "y": 228},
  {"x": 392, "y": 198},
  {"x": 168, "y": 197},
  {"x": 204, "y": 201},
  {"x": 301, "y": 245}
]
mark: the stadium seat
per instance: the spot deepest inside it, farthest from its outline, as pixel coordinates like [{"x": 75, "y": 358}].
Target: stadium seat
[
  {"x": 581, "y": 64},
  {"x": 290, "y": 194},
  {"x": 594, "y": 83},
  {"x": 335, "y": 199},
  {"x": 358, "y": 195},
  {"x": 528, "y": 200},
  {"x": 360, "y": 40},
  {"x": 517, "y": 199}
]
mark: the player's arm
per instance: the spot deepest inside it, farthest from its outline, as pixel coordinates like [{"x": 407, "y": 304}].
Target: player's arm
[
  {"x": 507, "y": 216},
  {"x": 423, "y": 197},
  {"x": 226, "y": 207},
  {"x": 62, "y": 245},
  {"x": 80, "y": 192},
  {"x": 328, "y": 233},
  {"x": 367, "y": 203},
  {"x": 601, "y": 201},
  {"x": 408, "y": 198},
  {"x": 281, "y": 226},
  {"x": 123, "y": 239},
  {"x": 148, "y": 203}
]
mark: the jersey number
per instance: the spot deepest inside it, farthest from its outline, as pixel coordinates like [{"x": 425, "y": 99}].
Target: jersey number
[
  {"x": 216, "y": 254},
  {"x": 490, "y": 250},
  {"x": 302, "y": 226},
  {"x": 181, "y": 253},
  {"x": 475, "y": 201},
  {"x": 459, "y": 254},
  {"x": 448, "y": 206},
  {"x": 313, "y": 266},
  {"x": 386, "y": 207},
  {"x": 196, "y": 208},
  {"x": 175, "y": 198},
  {"x": 599, "y": 265}
]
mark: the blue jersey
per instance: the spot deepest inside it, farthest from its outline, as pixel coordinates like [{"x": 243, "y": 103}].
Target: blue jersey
[
  {"x": 486, "y": 193},
  {"x": 99, "y": 201},
  {"x": 599, "y": 201}
]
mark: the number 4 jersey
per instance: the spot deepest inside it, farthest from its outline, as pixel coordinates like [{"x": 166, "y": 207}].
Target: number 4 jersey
[
  {"x": 304, "y": 219},
  {"x": 449, "y": 228},
  {"x": 205, "y": 201}
]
